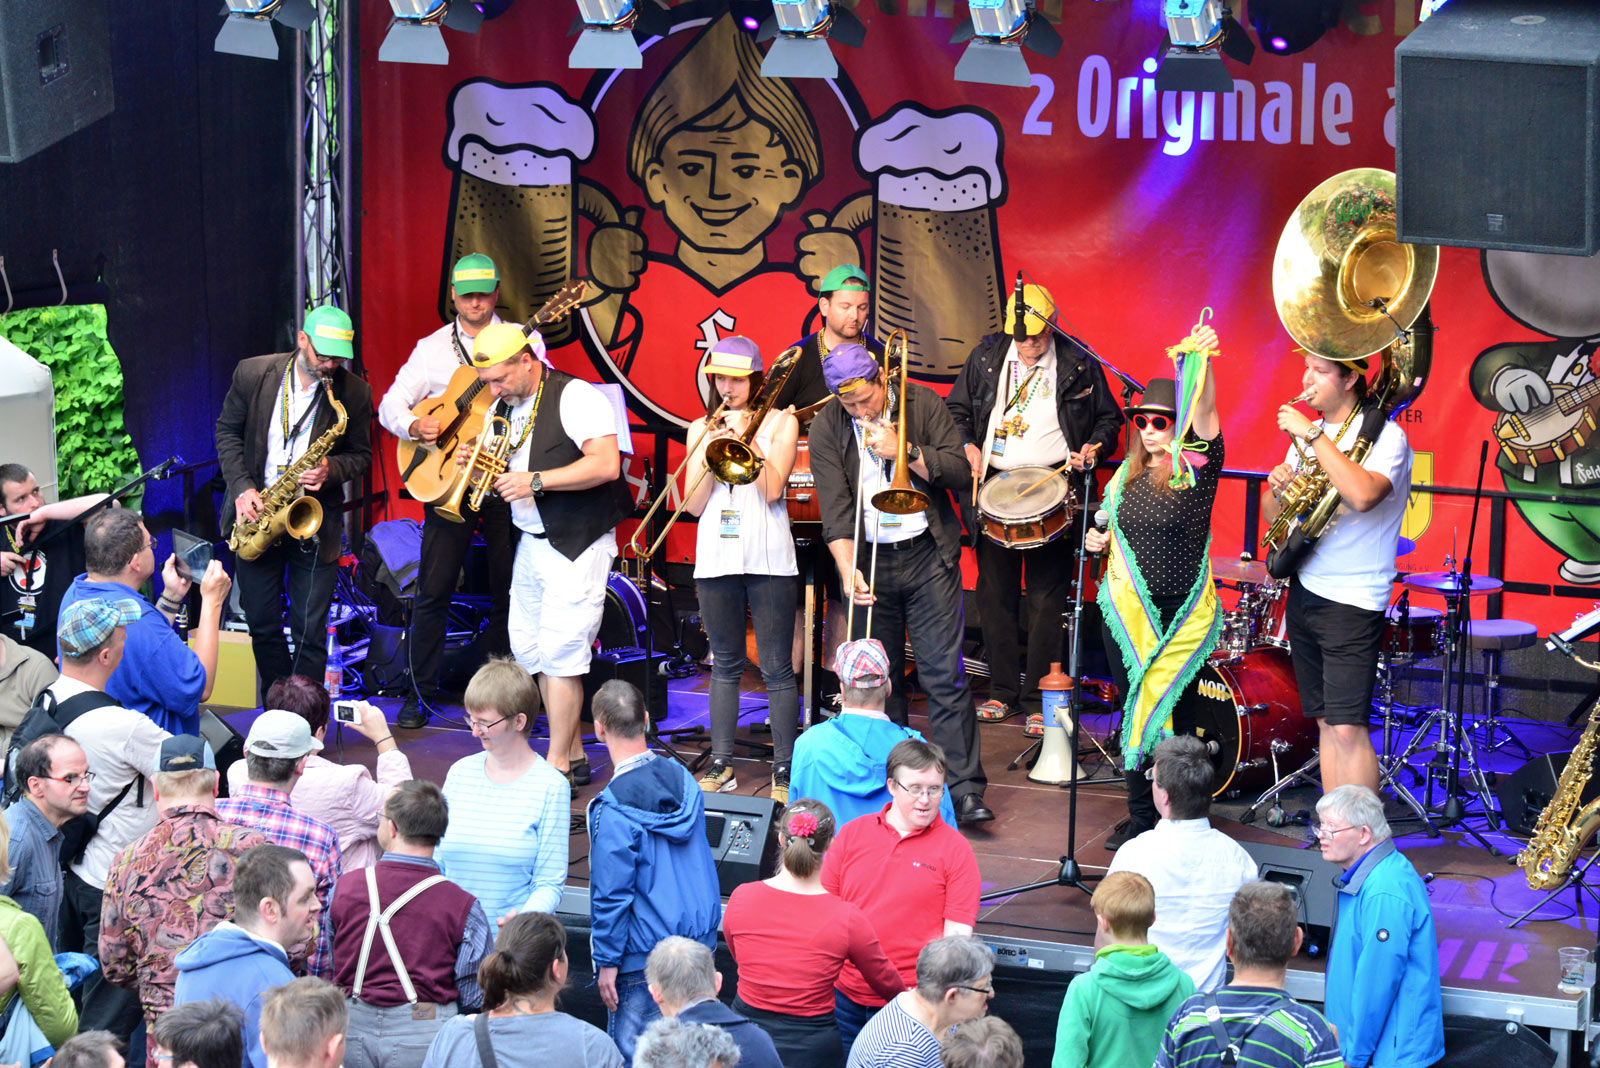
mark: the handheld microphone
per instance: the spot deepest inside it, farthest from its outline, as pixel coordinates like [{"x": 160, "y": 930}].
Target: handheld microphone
[
  {"x": 164, "y": 468},
  {"x": 1018, "y": 330},
  {"x": 1102, "y": 522}
]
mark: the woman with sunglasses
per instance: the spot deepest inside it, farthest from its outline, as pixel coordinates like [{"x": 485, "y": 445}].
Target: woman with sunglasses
[{"x": 1160, "y": 608}]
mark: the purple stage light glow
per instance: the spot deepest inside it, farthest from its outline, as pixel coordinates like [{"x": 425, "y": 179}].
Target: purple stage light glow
[
  {"x": 1278, "y": 44},
  {"x": 751, "y": 23}
]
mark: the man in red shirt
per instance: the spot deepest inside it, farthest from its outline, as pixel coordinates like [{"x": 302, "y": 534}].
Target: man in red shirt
[{"x": 913, "y": 875}]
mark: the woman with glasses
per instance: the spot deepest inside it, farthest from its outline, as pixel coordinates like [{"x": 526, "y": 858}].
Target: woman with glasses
[
  {"x": 510, "y": 811},
  {"x": 791, "y": 938},
  {"x": 1160, "y": 608}
]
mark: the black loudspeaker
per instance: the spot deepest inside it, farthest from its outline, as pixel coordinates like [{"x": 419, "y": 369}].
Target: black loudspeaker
[
  {"x": 1470, "y": 1042},
  {"x": 1310, "y": 879},
  {"x": 743, "y": 832},
  {"x": 227, "y": 745},
  {"x": 642, "y": 672},
  {"x": 1498, "y": 127},
  {"x": 1525, "y": 792},
  {"x": 55, "y": 72}
]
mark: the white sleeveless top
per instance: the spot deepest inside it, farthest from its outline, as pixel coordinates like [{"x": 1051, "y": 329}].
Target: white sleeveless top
[{"x": 741, "y": 534}]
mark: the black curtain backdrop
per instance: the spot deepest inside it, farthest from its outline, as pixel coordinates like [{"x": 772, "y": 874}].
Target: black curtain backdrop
[{"x": 182, "y": 201}]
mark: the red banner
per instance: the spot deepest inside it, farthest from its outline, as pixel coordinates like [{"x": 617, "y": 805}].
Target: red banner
[{"x": 705, "y": 200}]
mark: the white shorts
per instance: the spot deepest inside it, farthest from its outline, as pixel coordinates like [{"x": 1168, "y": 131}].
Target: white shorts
[{"x": 556, "y": 605}]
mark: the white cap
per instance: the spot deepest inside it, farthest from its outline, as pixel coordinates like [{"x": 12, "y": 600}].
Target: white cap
[{"x": 281, "y": 734}]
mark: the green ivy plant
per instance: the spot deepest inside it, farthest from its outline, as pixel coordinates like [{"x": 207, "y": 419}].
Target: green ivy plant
[{"x": 93, "y": 450}]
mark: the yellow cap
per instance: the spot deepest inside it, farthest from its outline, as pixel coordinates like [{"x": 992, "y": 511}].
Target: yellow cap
[
  {"x": 1038, "y": 299},
  {"x": 497, "y": 343}
]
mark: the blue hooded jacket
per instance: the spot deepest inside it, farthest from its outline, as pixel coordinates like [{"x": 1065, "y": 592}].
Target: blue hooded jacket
[
  {"x": 1383, "y": 966},
  {"x": 844, "y": 763},
  {"x": 228, "y": 962},
  {"x": 159, "y": 675},
  {"x": 650, "y": 869}
]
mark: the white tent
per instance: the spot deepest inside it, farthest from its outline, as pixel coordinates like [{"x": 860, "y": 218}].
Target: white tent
[{"x": 27, "y": 416}]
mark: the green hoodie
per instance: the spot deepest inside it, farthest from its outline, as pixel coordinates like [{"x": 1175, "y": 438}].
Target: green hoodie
[{"x": 1115, "y": 1013}]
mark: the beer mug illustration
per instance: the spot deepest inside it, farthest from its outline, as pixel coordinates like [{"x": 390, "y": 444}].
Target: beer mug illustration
[
  {"x": 936, "y": 265},
  {"x": 513, "y": 149}
]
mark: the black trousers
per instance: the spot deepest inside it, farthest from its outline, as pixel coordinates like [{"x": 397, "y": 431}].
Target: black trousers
[
  {"x": 106, "y": 1007},
  {"x": 919, "y": 600},
  {"x": 1000, "y": 583},
  {"x": 444, "y": 550},
  {"x": 291, "y": 567},
  {"x": 1335, "y": 648},
  {"x": 1142, "y": 814}
]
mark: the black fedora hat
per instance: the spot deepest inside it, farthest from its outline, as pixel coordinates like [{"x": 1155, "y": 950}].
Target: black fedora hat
[{"x": 1161, "y": 395}]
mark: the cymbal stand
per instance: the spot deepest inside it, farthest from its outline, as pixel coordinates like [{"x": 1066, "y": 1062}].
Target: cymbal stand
[
  {"x": 1305, "y": 774},
  {"x": 1389, "y": 766}
]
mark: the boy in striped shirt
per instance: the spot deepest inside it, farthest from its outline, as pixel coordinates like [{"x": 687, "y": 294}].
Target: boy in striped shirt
[{"x": 1260, "y": 1023}]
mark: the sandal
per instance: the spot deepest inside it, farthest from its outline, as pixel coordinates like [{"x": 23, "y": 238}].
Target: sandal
[
  {"x": 1034, "y": 728},
  {"x": 993, "y": 710}
]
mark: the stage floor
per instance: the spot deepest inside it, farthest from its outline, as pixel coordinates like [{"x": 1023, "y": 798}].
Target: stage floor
[{"x": 1488, "y": 970}]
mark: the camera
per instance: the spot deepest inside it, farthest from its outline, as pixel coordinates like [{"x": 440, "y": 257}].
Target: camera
[{"x": 347, "y": 711}]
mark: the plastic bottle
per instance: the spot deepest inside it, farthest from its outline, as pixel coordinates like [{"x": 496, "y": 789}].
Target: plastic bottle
[{"x": 333, "y": 674}]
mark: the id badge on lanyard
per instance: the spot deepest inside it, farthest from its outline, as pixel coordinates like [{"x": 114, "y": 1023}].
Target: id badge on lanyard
[{"x": 729, "y": 524}]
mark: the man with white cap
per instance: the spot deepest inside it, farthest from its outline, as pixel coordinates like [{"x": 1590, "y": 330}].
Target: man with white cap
[
  {"x": 428, "y": 372},
  {"x": 276, "y": 408},
  {"x": 563, "y": 478},
  {"x": 1027, "y": 401},
  {"x": 275, "y": 757},
  {"x": 843, "y": 761}
]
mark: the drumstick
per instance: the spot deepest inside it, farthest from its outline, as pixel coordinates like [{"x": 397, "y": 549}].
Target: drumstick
[
  {"x": 975, "y": 471},
  {"x": 1054, "y": 471}
]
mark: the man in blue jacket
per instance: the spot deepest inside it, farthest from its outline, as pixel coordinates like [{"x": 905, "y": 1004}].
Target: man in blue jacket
[
  {"x": 843, "y": 762},
  {"x": 275, "y": 909},
  {"x": 1383, "y": 966},
  {"x": 650, "y": 869}
]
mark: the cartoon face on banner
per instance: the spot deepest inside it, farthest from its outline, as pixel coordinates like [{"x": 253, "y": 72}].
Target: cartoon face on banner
[
  {"x": 691, "y": 180},
  {"x": 1545, "y": 396}
]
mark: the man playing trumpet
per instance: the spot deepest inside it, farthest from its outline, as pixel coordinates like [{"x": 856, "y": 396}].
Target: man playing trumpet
[
  {"x": 1337, "y": 599},
  {"x": 915, "y": 587}
]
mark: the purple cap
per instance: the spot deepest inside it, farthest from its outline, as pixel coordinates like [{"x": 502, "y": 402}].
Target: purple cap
[
  {"x": 848, "y": 367},
  {"x": 733, "y": 355}
]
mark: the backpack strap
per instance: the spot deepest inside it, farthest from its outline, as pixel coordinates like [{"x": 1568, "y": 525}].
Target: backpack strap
[
  {"x": 480, "y": 1031},
  {"x": 378, "y": 923},
  {"x": 78, "y": 704},
  {"x": 1228, "y": 1048}
]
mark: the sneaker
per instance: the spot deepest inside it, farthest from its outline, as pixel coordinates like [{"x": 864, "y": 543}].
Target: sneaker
[
  {"x": 780, "y": 783},
  {"x": 718, "y": 778},
  {"x": 411, "y": 716}
]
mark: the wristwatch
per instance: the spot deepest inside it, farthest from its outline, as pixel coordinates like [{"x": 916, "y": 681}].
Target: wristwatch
[
  {"x": 913, "y": 454},
  {"x": 536, "y": 484},
  {"x": 1314, "y": 433}
]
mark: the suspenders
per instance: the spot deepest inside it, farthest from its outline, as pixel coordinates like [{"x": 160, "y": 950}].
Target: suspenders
[{"x": 378, "y": 922}]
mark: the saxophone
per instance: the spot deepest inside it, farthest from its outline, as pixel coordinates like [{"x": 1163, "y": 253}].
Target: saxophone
[
  {"x": 285, "y": 508},
  {"x": 1564, "y": 828}
]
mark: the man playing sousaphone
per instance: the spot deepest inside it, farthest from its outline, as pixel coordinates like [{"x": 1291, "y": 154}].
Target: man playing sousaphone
[
  {"x": 1161, "y": 617},
  {"x": 1027, "y": 403},
  {"x": 1335, "y": 614}
]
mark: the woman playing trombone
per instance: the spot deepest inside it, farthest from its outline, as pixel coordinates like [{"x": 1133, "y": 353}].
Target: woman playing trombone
[
  {"x": 744, "y": 556},
  {"x": 1161, "y": 614}
]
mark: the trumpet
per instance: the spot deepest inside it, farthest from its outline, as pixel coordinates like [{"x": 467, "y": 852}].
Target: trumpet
[
  {"x": 732, "y": 460},
  {"x": 477, "y": 479},
  {"x": 713, "y": 422}
]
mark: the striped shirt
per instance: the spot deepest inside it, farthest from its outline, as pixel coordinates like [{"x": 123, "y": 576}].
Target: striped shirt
[
  {"x": 1291, "y": 1036},
  {"x": 267, "y": 809},
  {"x": 507, "y": 841},
  {"x": 893, "y": 1038}
]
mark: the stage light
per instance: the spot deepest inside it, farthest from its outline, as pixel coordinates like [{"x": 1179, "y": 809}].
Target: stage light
[
  {"x": 800, "y": 31},
  {"x": 1199, "y": 33},
  {"x": 1289, "y": 26},
  {"x": 996, "y": 32},
  {"x": 414, "y": 35},
  {"x": 606, "y": 42},
  {"x": 1430, "y": 7},
  {"x": 247, "y": 29}
]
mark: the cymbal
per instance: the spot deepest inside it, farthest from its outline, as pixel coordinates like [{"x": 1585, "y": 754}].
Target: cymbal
[
  {"x": 1233, "y": 569},
  {"x": 1448, "y": 583},
  {"x": 1406, "y": 547}
]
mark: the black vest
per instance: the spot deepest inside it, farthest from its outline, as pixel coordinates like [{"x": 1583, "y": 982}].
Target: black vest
[{"x": 573, "y": 519}]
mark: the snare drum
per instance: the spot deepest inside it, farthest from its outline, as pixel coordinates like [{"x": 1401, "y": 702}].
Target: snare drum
[
  {"x": 1421, "y": 638},
  {"x": 800, "y": 494},
  {"x": 1026, "y": 507},
  {"x": 1249, "y": 713}
]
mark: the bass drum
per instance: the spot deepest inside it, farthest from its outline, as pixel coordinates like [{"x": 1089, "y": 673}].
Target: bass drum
[
  {"x": 1249, "y": 711},
  {"x": 800, "y": 495},
  {"x": 622, "y": 620}
]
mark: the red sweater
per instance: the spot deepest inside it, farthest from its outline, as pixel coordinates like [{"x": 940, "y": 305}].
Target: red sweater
[
  {"x": 790, "y": 947},
  {"x": 906, "y": 886}
]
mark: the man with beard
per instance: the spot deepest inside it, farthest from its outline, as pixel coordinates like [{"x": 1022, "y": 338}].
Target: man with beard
[{"x": 842, "y": 309}]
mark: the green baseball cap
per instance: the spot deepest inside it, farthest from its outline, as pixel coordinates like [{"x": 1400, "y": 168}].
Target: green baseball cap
[
  {"x": 474, "y": 273},
  {"x": 330, "y": 331},
  {"x": 845, "y": 276}
]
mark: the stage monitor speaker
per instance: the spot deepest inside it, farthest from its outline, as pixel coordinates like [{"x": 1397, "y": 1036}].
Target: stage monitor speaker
[
  {"x": 1471, "y": 1042},
  {"x": 633, "y": 667},
  {"x": 743, "y": 833},
  {"x": 227, "y": 745},
  {"x": 1527, "y": 791},
  {"x": 1310, "y": 879},
  {"x": 55, "y": 72},
  {"x": 1497, "y": 129}
]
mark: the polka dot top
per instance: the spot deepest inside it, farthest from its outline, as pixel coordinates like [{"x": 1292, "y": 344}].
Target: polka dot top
[{"x": 1168, "y": 530}]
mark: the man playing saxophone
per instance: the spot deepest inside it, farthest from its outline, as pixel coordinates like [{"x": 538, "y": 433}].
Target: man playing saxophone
[
  {"x": 276, "y": 411},
  {"x": 1338, "y": 596}
]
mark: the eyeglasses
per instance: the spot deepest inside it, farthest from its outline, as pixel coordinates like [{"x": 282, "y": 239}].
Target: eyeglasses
[
  {"x": 986, "y": 991},
  {"x": 1322, "y": 830},
  {"x": 1153, "y": 422},
  {"x": 920, "y": 791},
  {"x": 1150, "y": 773},
  {"x": 478, "y": 726},
  {"x": 72, "y": 778}
]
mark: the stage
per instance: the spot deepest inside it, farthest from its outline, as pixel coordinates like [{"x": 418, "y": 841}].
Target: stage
[{"x": 1488, "y": 971}]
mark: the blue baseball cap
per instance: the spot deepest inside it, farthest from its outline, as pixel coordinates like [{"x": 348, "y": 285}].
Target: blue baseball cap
[
  {"x": 85, "y": 626},
  {"x": 185, "y": 752}
]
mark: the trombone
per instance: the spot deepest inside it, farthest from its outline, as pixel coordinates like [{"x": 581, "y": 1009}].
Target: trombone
[
  {"x": 713, "y": 421},
  {"x": 477, "y": 479},
  {"x": 900, "y": 498}
]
